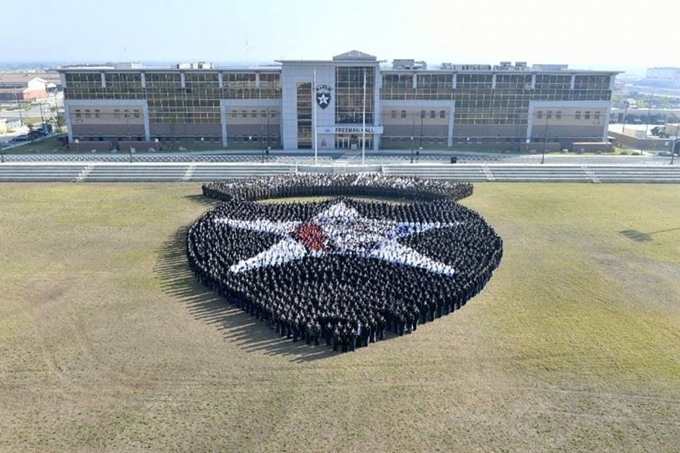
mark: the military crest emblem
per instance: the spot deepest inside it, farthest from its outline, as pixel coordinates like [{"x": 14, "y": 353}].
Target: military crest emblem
[{"x": 323, "y": 96}]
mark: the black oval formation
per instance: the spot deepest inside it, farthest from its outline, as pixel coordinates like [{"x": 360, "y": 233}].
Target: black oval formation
[
  {"x": 354, "y": 184},
  {"x": 342, "y": 272}
]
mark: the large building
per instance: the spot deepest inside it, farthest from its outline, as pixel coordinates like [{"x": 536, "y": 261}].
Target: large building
[{"x": 349, "y": 98}]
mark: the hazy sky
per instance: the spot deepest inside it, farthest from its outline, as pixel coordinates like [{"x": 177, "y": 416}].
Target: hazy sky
[{"x": 595, "y": 34}]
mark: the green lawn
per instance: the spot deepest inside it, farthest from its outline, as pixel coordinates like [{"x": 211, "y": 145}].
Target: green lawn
[
  {"x": 107, "y": 343},
  {"x": 44, "y": 146}
]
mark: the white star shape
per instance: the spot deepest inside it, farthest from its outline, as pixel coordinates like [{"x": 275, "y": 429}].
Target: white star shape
[
  {"x": 339, "y": 230},
  {"x": 323, "y": 99}
]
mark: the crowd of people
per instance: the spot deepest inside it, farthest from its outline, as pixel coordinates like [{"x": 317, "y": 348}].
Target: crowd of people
[
  {"x": 300, "y": 268},
  {"x": 364, "y": 184}
]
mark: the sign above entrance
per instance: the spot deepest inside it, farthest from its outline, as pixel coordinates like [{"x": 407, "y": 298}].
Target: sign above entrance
[{"x": 349, "y": 129}]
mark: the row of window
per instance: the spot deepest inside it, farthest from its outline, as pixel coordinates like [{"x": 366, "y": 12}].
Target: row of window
[
  {"x": 392, "y": 94},
  {"x": 106, "y": 93},
  {"x": 421, "y": 114},
  {"x": 166, "y": 77},
  {"x": 254, "y": 113},
  {"x": 98, "y": 114},
  {"x": 244, "y": 138},
  {"x": 577, "y": 114}
]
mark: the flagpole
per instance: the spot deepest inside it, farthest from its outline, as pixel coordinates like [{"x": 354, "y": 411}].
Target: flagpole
[
  {"x": 363, "y": 128},
  {"x": 316, "y": 155}
]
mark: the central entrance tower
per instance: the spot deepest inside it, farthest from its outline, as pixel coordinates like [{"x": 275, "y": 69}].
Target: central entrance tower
[{"x": 331, "y": 92}]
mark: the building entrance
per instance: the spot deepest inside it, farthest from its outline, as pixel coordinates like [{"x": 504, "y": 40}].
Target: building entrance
[{"x": 343, "y": 141}]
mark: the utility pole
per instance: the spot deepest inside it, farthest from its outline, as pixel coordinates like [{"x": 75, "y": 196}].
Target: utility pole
[
  {"x": 21, "y": 116},
  {"x": 649, "y": 114}
]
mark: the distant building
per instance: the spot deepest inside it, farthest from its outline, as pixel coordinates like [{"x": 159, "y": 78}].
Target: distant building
[
  {"x": 663, "y": 77},
  {"x": 197, "y": 65},
  {"x": 8, "y": 125},
  {"x": 27, "y": 86},
  {"x": 405, "y": 106}
]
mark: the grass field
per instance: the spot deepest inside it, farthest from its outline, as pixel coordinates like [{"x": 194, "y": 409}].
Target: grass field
[{"x": 108, "y": 345}]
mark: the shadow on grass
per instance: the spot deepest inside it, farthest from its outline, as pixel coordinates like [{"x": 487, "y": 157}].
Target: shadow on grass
[
  {"x": 178, "y": 281},
  {"x": 639, "y": 236},
  {"x": 203, "y": 200}
]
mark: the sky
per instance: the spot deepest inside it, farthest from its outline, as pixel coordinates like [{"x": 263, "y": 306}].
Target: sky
[{"x": 585, "y": 34}]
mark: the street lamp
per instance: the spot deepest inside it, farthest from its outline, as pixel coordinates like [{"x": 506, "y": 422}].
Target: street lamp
[
  {"x": 422, "y": 117},
  {"x": 127, "y": 127},
  {"x": 545, "y": 138},
  {"x": 269, "y": 146},
  {"x": 625, "y": 113},
  {"x": 413, "y": 130}
]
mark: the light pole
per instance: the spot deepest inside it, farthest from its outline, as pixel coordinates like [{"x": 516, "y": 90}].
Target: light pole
[
  {"x": 127, "y": 126},
  {"x": 413, "y": 130},
  {"x": 649, "y": 114},
  {"x": 422, "y": 117},
  {"x": 625, "y": 113},
  {"x": 269, "y": 146},
  {"x": 545, "y": 139}
]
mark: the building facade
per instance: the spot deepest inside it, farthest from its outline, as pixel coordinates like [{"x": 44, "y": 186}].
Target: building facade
[{"x": 342, "y": 103}]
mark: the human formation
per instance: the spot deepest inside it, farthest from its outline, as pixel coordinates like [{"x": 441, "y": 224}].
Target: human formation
[
  {"x": 364, "y": 184},
  {"x": 343, "y": 272}
]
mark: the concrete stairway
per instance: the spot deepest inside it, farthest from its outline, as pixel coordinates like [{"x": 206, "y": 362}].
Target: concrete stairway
[{"x": 41, "y": 172}]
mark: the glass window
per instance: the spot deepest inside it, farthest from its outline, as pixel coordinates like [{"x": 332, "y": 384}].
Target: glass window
[
  {"x": 403, "y": 113},
  {"x": 539, "y": 114},
  {"x": 587, "y": 115},
  {"x": 350, "y": 97},
  {"x": 442, "y": 114},
  {"x": 393, "y": 114}
]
